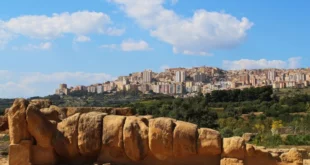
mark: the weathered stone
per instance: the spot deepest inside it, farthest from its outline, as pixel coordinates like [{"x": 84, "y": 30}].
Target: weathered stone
[
  {"x": 248, "y": 136},
  {"x": 185, "y": 139},
  {"x": 135, "y": 136},
  {"x": 250, "y": 150},
  {"x": 112, "y": 138},
  {"x": 40, "y": 127},
  {"x": 50, "y": 114},
  {"x": 20, "y": 154},
  {"x": 17, "y": 121},
  {"x": 62, "y": 112},
  {"x": 90, "y": 133},
  {"x": 66, "y": 141},
  {"x": 293, "y": 156},
  {"x": 209, "y": 142},
  {"x": 161, "y": 137},
  {"x": 41, "y": 103},
  {"x": 40, "y": 155},
  {"x": 234, "y": 147},
  {"x": 231, "y": 161}
]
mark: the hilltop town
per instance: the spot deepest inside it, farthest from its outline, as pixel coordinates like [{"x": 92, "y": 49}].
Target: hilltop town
[{"x": 186, "y": 82}]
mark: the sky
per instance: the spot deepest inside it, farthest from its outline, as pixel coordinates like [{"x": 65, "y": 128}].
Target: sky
[{"x": 45, "y": 43}]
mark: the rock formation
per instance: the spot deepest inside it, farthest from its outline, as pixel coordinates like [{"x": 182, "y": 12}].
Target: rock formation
[{"x": 45, "y": 137}]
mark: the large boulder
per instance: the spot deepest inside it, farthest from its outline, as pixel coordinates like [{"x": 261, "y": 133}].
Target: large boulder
[
  {"x": 112, "y": 136},
  {"x": 66, "y": 143},
  {"x": 20, "y": 154},
  {"x": 161, "y": 137},
  {"x": 90, "y": 133},
  {"x": 209, "y": 142},
  {"x": 234, "y": 147},
  {"x": 40, "y": 155},
  {"x": 135, "y": 137},
  {"x": 41, "y": 103},
  {"x": 17, "y": 121},
  {"x": 50, "y": 114},
  {"x": 185, "y": 139},
  {"x": 40, "y": 127},
  {"x": 293, "y": 156}
]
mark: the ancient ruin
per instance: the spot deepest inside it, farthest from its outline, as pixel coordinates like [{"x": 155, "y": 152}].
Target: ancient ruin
[{"x": 41, "y": 133}]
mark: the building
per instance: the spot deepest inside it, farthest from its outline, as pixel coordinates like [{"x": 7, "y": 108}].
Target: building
[
  {"x": 179, "y": 89},
  {"x": 100, "y": 89},
  {"x": 245, "y": 79},
  {"x": 271, "y": 75},
  {"x": 180, "y": 76},
  {"x": 92, "y": 89},
  {"x": 62, "y": 90},
  {"x": 147, "y": 76},
  {"x": 199, "y": 77}
]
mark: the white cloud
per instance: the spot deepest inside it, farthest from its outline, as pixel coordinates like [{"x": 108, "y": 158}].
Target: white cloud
[
  {"x": 41, "y": 84},
  {"x": 30, "y": 47},
  {"x": 128, "y": 45},
  {"x": 294, "y": 62},
  {"x": 132, "y": 45},
  {"x": 82, "y": 39},
  {"x": 261, "y": 64},
  {"x": 173, "y": 2},
  {"x": 109, "y": 46},
  {"x": 203, "y": 32},
  {"x": 50, "y": 27}
]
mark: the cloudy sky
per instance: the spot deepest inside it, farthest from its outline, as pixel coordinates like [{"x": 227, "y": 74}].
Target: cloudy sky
[{"x": 44, "y": 43}]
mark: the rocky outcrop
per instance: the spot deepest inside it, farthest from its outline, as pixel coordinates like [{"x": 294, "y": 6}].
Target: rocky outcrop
[
  {"x": 66, "y": 143},
  {"x": 184, "y": 139},
  {"x": 234, "y": 147},
  {"x": 17, "y": 121},
  {"x": 40, "y": 127},
  {"x": 161, "y": 137},
  {"x": 293, "y": 156},
  {"x": 209, "y": 142},
  {"x": 109, "y": 110},
  {"x": 112, "y": 135},
  {"x": 135, "y": 136},
  {"x": 90, "y": 133},
  {"x": 88, "y": 137}
]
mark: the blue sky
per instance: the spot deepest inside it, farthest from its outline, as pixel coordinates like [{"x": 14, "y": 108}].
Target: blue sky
[{"x": 43, "y": 43}]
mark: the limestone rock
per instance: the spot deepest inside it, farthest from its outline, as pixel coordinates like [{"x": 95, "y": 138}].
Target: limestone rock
[
  {"x": 248, "y": 136},
  {"x": 135, "y": 137},
  {"x": 20, "y": 154},
  {"x": 40, "y": 155},
  {"x": 231, "y": 161},
  {"x": 234, "y": 147},
  {"x": 293, "y": 156},
  {"x": 184, "y": 139},
  {"x": 161, "y": 137},
  {"x": 62, "y": 112},
  {"x": 66, "y": 142},
  {"x": 50, "y": 114},
  {"x": 90, "y": 133},
  {"x": 112, "y": 138},
  {"x": 209, "y": 142},
  {"x": 17, "y": 121},
  {"x": 41, "y": 103},
  {"x": 250, "y": 150},
  {"x": 40, "y": 127}
]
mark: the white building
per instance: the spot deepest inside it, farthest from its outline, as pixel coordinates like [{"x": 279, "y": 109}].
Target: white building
[
  {"x": 180, "y": 76},
  {"x": 147, "y": 76}
]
